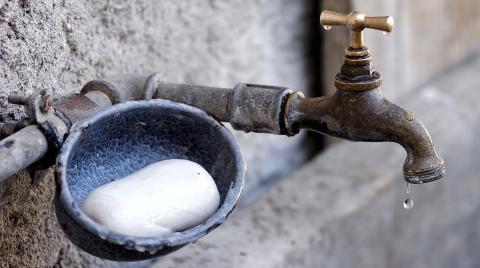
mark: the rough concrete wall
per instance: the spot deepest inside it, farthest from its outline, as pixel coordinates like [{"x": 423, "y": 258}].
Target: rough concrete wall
[
  {"x": 30, "y": 236},
  {"x": 60, "y": 45}
]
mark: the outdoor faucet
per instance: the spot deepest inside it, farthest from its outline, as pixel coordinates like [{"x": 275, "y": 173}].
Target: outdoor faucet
[{"x": 358, "y": 111}]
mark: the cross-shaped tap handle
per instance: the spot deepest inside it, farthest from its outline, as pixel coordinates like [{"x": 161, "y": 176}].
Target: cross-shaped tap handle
[{"x": 356, "y": 22}]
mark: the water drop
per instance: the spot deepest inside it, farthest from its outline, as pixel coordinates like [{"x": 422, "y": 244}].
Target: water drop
[
  {"x": 408, "y": 203},
  {"x": 385, "y": 33},
  {"x": 327, "y": 27},
  {"x": 408, "y": 188}
]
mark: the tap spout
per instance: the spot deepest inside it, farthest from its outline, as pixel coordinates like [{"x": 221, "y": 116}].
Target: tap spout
[{"x": 368, "y": 116}]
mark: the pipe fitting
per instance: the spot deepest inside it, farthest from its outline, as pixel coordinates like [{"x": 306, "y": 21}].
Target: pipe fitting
[{"x": 259, "y": 108}]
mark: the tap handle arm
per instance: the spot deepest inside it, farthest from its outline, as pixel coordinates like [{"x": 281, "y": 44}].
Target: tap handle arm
[
  {"x": 330, "y": 18},
  {"x": 384, "y": 23}
]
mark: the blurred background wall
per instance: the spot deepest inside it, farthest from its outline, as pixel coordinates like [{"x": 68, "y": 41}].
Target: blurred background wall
[
  {"x": 61, "y": 45},
  {"x": 429, "y": 38}
]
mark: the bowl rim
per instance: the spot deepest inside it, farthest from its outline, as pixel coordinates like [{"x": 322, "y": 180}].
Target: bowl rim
[{"x": 150, "y": 244}]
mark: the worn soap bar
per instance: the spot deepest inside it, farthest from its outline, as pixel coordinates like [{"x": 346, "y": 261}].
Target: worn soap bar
[{"x": 164, "y": 197}]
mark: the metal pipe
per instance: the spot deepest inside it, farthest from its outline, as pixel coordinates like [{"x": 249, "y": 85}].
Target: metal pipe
[
  {"x": 356, "y": 112},
  {"x": 20, "y": 150},
  {"x": 248, "y": 107},
  {"x": 29, "y": 145},
  {"x": 214, "y": 101}
]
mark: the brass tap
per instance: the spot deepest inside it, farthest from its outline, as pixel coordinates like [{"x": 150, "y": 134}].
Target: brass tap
[
  {"x": 357, "y": 73},
  {"x": 358, "y": 111}
]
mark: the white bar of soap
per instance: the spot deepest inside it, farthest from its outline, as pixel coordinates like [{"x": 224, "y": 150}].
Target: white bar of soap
[{"x": 164, "y": 197}]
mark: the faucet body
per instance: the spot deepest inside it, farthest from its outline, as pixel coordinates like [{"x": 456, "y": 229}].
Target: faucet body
[
  {"x": 359, "y": 112},
  {"x": 369, "y": 117}
]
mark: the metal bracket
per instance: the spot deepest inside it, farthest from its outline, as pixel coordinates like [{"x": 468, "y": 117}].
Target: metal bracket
[{"x": 39, "y": 108}]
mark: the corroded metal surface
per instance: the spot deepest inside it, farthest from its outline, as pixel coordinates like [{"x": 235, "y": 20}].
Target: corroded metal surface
[
  {"x": 214, "y": 101},
  {"x": 20, "y": 150},
  {"x": 101, "y": 86},
  {"x": 248, "y": 107},
  {"x": 76, "y": 107},
  {"x": 258, "y": 108},
  {"x": 36, "y": 146},
  {"x": 358, "y": 112},
  {"x": 368, "y": 116},
  {"x": 357, "y": 72}
]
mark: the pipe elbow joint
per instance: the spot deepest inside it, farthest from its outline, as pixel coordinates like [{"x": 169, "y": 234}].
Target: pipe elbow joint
[{"x": 422, "y": 163}]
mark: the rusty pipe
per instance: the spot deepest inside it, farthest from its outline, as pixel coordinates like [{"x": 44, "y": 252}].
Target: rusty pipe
[
  {"x": 248, "y": 107},
  {"x": 30, "y": 144},
  {"x": 20, "y": 150},
  {"x": 214, "y": 101}
]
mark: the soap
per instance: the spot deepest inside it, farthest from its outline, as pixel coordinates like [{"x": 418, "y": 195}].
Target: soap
[{"x": 164, "y": 197}]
